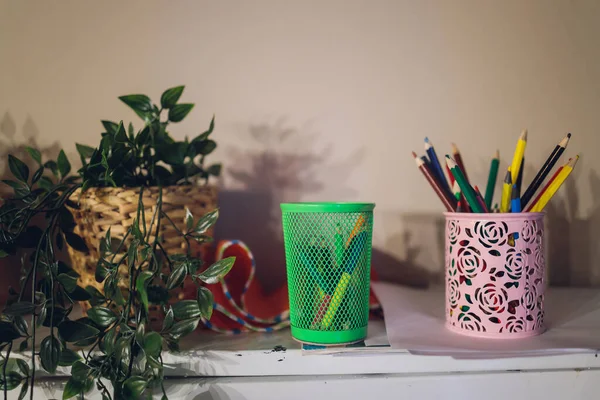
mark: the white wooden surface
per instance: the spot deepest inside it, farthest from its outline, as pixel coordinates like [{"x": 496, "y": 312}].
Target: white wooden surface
[{"x": 246, "y": 367}]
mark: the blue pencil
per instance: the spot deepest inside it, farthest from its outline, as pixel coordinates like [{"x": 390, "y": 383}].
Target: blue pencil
[
  {"x": 515, "y": 200},
  {"x": 436, "y": 167}
]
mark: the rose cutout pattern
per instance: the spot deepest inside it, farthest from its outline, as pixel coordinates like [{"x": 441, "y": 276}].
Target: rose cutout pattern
[
  {"x": 469, "y": 262},
  {"x": 494, "y": 276},
  {"x": 529, "y": 231}
]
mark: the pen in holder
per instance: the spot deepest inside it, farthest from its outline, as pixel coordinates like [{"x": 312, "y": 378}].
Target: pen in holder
[
  {"x": 495, "y": 274},
  {"x": 328, "y": 260}
]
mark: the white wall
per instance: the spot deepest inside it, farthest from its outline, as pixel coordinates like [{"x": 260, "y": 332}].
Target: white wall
[{"x": 329, "y": 97}]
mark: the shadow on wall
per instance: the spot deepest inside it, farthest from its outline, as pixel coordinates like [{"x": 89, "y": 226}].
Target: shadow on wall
[
  {"x": 11, "y": 143},
  {"x": 280, "y": 164},
  {"x": 574, "y": 242}
]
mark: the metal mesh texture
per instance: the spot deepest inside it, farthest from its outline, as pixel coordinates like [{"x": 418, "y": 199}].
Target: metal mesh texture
[{"x": 328, "y": 258}]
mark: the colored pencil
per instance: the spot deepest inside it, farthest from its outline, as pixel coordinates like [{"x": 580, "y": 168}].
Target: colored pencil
[
  {"x": 496, "y": 208},
  {"x": 444, "y": 196},
  {"x": 481, "y": 200},
  {"x": 515, "y": 167},
  {"x": 459, "y": 160},
  {"x": 465, "y": 187},
  {"x": 457, "y": 195},
  {"x": 492, "y": 177},
  {"x": 545, "y": 170},
  {"x": 436, "y": 167},
  {"x": 520, "y": 176},
  {"x": 506, "y": 187},
  {"x": 515, "y": 200},
  {"x": 545, "y": 188},
  {"x": 357, "y": 226},
  {"x": 553, "y": 188},
  {"x": 450, "y": 176}
]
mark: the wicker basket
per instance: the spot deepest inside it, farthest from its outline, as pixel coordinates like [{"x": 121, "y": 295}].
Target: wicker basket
[{"x": 116, "y": 208}]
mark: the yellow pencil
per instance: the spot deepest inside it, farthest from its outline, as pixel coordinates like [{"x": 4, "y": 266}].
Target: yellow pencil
[
  {"x": 506, "y": 191},
  {"x": 555, "y": 185},
  {"x": 516, "y": 166}
]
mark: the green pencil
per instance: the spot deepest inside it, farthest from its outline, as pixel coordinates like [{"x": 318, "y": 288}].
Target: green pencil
[
  {"x": 491, "y": 183},
  {"x": 467, "y": 190}
]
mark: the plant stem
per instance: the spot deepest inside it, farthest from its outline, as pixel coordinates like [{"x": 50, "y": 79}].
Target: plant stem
[{"x": 4, "y": 370}]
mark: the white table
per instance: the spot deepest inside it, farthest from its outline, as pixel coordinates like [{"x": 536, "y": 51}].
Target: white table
[{"x": 246, "y": 367}]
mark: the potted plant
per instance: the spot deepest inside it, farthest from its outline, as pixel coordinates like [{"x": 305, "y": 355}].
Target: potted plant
[{"x": 142, "y": 257}]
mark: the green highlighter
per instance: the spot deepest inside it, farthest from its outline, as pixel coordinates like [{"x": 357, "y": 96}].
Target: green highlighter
[{"x": 351, "y": 258}]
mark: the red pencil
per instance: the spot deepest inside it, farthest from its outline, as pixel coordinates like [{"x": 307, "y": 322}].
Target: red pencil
[
  {"x": 480, "y": 199},
  {"x": 448, "y": 201},
  {"x": 459, "y": 160},
  {"x": 545, "y": 188}
]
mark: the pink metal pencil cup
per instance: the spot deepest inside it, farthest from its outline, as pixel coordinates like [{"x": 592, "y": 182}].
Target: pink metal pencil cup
[{"x": 495, "y": 274}]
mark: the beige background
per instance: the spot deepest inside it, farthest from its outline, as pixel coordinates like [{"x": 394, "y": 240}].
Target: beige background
[{"x": 324, "y": 100}]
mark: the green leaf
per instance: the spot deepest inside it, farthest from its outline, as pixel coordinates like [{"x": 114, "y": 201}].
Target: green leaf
[
  {"x": 76, "y": 242},
  {"x": 186, "y": 309},
  {"x": 174, "y": 153},
  {"x": 69, "y": 282},
  {"x": 3, "y": 253},
  {"x": 130, "y": 132},
  {"x": 141, "y": 284},
  {"x": 139, "y": 103},
  {"x": 21, "y": 325},
  {"x": 64, "y": 166},
  {"x": 97, "y": 296},
  {"x": 68, "y": 357},
  {"x": 37, "y": 175},
  {"x": 101, "y": 273},
  {"x": 177, "y": 277},
  {"x": 80, "y": 370},
  {"x": 49, "y": 353},
  {"x": 52, "y": 166},
  {"x": 170, "y": 96},
  {"x": 21, "y": 189},
  {"x": 80, "y": 294},
  {"x": 183, "y": 328},
  {"x": 152, "y": 344},
  {"x": 102, "y": 316},
  {"x": 20, "y": 308},
  {"x": 214, "y": 170},
  {"x": 207, "y": 221},
  {"x": 73, "y": 331},
  {"x": 133, "y": 387},
  {"x": 60, "y": 241},
  {"x": 18, "y": 168},
  {"x": 45, "y": 183},
  {"x": 217, "y": 271},
  {"x": 13, "y": 380},
  {"x": 464, "y": 308},
  {"x": 84, "y": 151},
  {"x": 204, "y": 135},
  {"x": 168, "y": 321},
  {"x": 122, "y": 349},
  {"x": 24, "y": 345},
  {"x": 205, "y": 147},
  {"x": 24, "y": 389},
  {"x": 205, "y": 301},
  {"x": 111, "y": 127},
  {"x": 23, "y": 366},
  {"x": 35, "y": 154},
  {"x": 179, "y": 112},
  {"x": 189, "y": 219},
  {"x": 73, "y": 388},
  {"x": 120, "y": 135},
  {"x": 109, "y": 341}
]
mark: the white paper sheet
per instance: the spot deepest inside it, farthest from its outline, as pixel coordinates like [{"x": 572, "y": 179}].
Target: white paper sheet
[{"x": 414, "y": 320}]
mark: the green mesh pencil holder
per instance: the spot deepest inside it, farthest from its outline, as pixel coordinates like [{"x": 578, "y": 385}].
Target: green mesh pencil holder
[{"x": 328, "y": 259}]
